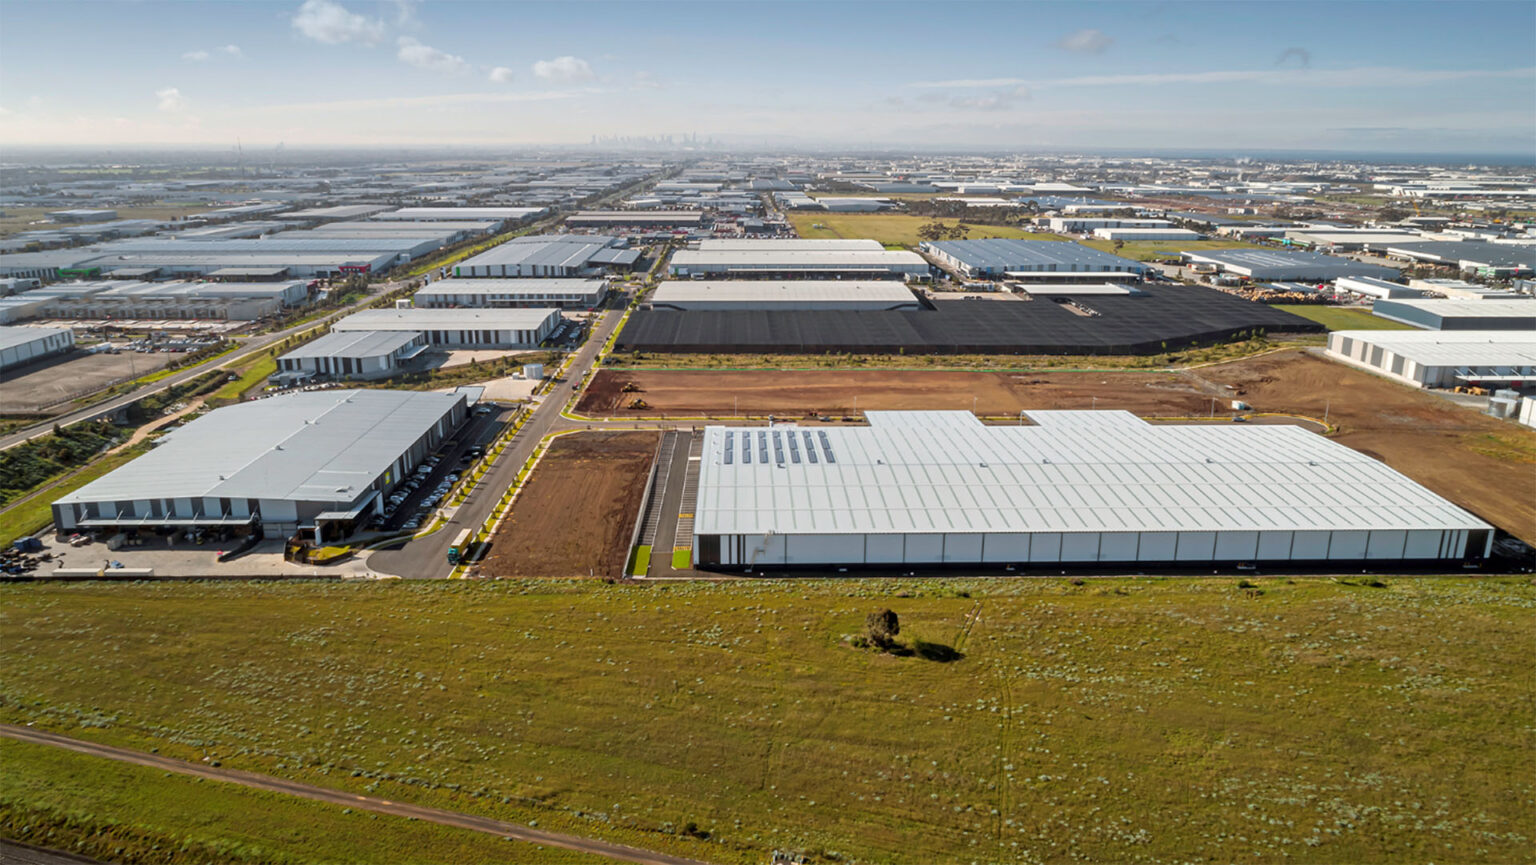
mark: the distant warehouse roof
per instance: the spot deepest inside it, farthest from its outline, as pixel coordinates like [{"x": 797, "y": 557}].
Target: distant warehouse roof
[
  {"x": 1000, "y": 255},
  {"x": 768, "y": 261},
  {"x": 436, "y": 214},
  {"x": 636, "y": 217},
  {"x": 1267, "y": 264},
  {"x": 361, "y": 343},
  {"x": 547, "y": 255},
  {"x": 1460, "y": 314},
  {"x": 1469, "y": 254},
  {"x": 781, "y": 294},
  {"x": 446, "y": 319}
]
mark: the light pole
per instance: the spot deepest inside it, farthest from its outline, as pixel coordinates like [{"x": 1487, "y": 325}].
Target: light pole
[{"x": 1021, "y": 417}]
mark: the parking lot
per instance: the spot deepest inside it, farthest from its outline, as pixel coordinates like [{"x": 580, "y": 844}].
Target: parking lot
[{"x": 410, "y": 505}]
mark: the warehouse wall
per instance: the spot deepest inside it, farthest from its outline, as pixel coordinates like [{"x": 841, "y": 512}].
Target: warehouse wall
[{"x": 1087, "y": 547}]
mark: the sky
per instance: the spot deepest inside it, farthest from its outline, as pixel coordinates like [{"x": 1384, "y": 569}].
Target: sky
[{"x": 1371, "y": 77}]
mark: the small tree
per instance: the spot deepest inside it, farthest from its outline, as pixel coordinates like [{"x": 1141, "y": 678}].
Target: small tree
[{"x": 882, "y": 627}]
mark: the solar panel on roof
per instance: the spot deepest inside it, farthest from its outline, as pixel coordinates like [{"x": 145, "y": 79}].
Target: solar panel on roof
[
  {"x": 826, "y": 446},
  {"x": 730, "y": 447},
  {"x": 794, "y": 448},
  {"x": 762, "y": 447},
  {"x": 778, "y": 448},
  {"x": 810, "y": 446}
]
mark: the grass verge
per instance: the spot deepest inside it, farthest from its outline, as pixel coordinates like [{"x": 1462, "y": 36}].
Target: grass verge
[
  {"x": 1114, "y": 720},
  {"x": 1337, "y": 318},
  {"x": 34, "y": 514}
]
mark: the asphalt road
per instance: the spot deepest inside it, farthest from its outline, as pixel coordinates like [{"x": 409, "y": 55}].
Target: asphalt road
[
  {"x": 428, "y": 556},
  {"x": 515, "y": 831},
  {"x": 250, "y": 347}
]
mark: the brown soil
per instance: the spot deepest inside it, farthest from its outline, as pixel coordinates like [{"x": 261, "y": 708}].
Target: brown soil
[
  {"x": 1484, "y": 465},
  {"x": 576, "y": 515},
  {"x": 796, "y": 394}
]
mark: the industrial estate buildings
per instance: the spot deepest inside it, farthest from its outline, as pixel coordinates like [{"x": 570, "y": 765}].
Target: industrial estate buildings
[
  {"x": 1433, "y": 358},
  {"x": 491, "y": 292},
  {"x": 319, "y": 462},
  {"x": 20, "y": 346},
  {"x": 940, "y": 488},
  {"x": 460, "y": 328}
]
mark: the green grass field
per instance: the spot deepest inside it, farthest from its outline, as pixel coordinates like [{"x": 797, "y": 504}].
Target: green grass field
[
  {"x": 1338, "y": 318},
  {"x": 892, "y": 228},
  {"x": 1118, "y": 720},
  {"x": 253, "y": 374},
  {"x": 116, "y": 812}
]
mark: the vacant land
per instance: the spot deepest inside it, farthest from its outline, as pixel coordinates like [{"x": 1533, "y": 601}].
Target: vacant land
[
  {"x": 117, "y": 812},
  {"x": 1119, "y": 720},
  {"x": 1338, "y": 318},
  {"x": 993, "y": 394},
  {"x": 576, "y": 515},
  {"x": 52, "y": 384},
  {"x": 1484, "y": 465},
  {"x": 893, "y": 228}
]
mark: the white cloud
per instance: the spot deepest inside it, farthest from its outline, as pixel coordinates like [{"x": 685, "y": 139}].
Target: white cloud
[
  {"x": 1368, "y": 76},
  {"x": 170, "y": 100},
  {"x": 426, "y": 57},
  {"x": 197, "y": 56},
  {"x": 330, "y": 22},
  {"x": 233, "y": 50},
  {"x": 643, "y": 80},
  {"x": 1086, "y": 42},
  {"x": 564, "y": 69},
  {"x": 405, "y": 15},
  {"x": 500, "y": 75}
]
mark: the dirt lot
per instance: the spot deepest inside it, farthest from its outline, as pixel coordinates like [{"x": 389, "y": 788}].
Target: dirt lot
[
  {"x": 576, "y": 514},
  {"x": 39, "y": 386},
  {"x": 796, "y": 394},
  {"x": 1484, "y": 465}
]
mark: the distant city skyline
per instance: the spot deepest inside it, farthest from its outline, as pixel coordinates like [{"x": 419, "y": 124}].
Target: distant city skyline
[{"x": 1383, "y": 78}]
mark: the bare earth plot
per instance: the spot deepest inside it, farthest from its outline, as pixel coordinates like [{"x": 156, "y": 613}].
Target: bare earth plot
[
  {"x": 40, "y": 386},
  {"x": 1484, "y": 465},
  {"x": 575, "y": 516}
]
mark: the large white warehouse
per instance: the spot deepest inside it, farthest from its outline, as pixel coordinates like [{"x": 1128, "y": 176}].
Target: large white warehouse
[
  {"x": 824, "y": 294},
  {"x": 941, "y": 488},
  {"x": 512, "y": 293},
  {"x": 20, "y": 346},
  {"x": 319, "y": 462},
  {"x": 483, "y": 328},
  {"x": 1441, "y": 358},
  {"x": 791, "y": 259}
]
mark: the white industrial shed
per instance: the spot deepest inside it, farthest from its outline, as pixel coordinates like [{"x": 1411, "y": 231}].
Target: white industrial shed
[
  {"x": 353, "y": 354},
  {"x": 484, "y": 328},
  {"x": 318, "y": 461},
  {"x": 20, "y": 346},
  {"x": 815, "y": 294},
  {"x": 940, "y": 488},
  {"x": 512, "y": 293},
  {"x": 1272, "y": 264},
  {"x": 444, "y": 214},
  {"x": 1441, "y": 358},
  {"x": 1370, "y": 286},
  {"x": 1146, "y": 234},
  {"x": 549, "y": 255},
  {"x": 784, "y": 261}
]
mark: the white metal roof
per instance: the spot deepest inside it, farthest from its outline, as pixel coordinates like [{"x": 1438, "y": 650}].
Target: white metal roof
[
  {"x": 10, "y": 337},
  {"x": 1521, "y": 308},
  {"x": 356, "y": 343},
  {"x": 512, "y": 286},
  {"x": 1070, "y": 471},
  {"x": 322, "y": 446},
  {"x": 791, "y": 259},
  {"x": 1439, "y": 348},
  {"x": 786, "y": 291},
  {"x": 789, "y": 245},
  {"x": 446, "y": 319}
]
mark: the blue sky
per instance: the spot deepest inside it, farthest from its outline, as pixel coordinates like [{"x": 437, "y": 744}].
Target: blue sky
[{"x": 1389, "y": 77}]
